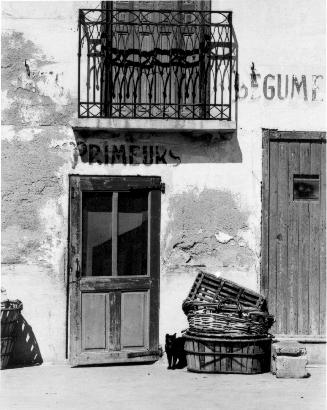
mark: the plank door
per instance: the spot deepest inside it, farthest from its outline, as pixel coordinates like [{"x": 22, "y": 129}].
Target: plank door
[
  {"x": 114, "y": 269},
  {"x": 294, "y": 231}
]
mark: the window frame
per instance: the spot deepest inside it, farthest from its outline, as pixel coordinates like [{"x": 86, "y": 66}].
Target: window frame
[{"x": 116, "y": 184}]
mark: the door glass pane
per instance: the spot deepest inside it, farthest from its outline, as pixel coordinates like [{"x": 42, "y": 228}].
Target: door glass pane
[
  {"x": 132, "y": 233},
  {"x": 97, "y": 233}
]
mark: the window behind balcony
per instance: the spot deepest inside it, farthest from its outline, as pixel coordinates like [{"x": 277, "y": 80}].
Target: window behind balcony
[{"x": 155, "y": 60}]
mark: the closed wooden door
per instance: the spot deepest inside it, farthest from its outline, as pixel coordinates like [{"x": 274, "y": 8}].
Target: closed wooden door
[
  {"x": 294, "y": 231},
  {"x": 114, "y": 269}
]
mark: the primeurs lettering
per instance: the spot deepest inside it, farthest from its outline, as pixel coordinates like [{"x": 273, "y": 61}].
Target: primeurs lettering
[{"x": 126, "y": 154}]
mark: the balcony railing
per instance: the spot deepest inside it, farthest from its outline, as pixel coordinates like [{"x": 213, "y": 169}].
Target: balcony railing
[{"x": 156, "y": 64}]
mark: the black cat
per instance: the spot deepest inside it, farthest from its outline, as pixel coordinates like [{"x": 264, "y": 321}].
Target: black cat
[{"x": 175, "y": 352}]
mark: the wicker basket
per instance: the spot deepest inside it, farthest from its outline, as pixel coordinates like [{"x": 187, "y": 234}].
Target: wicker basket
[
  {"x": 7, "y": 345},
  {"x": 246, "y": 355},
  {"x": 10, "y": 311},
  {"x": 208, "y": 288},
  {"x": 227, "y": 317}
]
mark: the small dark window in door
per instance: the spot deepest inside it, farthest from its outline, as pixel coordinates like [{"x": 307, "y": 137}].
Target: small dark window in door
[{"x": 306, "y": 187}]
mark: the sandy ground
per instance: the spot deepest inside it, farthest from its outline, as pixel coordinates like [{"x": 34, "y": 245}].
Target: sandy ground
[{"x": 143, "y": 387}]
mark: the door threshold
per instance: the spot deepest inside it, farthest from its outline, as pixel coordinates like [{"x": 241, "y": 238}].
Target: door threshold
[{"x": 92, "y": 358}]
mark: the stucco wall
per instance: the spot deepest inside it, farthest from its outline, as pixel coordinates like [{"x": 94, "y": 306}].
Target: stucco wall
[{"x": 211, "y": 209}]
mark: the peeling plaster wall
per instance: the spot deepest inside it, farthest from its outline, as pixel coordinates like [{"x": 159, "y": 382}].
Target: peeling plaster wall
[
  {"x": 205, "y": 229},
  {"x": 211, "y": 210}
]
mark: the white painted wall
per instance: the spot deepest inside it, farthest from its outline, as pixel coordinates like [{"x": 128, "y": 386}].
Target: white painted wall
[{"x": 279, "y": 36}]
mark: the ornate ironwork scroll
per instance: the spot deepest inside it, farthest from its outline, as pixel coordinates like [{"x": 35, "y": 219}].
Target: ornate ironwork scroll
[{"x": 156, "y": 64}]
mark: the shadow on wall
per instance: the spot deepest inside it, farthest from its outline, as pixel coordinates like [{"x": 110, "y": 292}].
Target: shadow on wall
[
  {"x": 26, "y": 349},
  {"x": 155, "y": 148},
  {"x": 235, "y": 74}
]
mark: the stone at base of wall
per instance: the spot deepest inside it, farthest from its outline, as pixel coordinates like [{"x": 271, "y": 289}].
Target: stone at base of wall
[
  {"x": 316, "y": 347},
  {"x": 289, "y": 360},
  {"x": 288, "y": 348},
  {"x": 291, "y": 367}
]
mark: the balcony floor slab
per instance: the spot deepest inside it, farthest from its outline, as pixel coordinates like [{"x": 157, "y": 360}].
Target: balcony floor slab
[{"x": 154, "y": 124}]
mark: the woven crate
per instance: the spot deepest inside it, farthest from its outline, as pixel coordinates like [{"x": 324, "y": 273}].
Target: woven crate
[
  {"x": 227, "y": 317},
  {"x": 208, "y": 288},
  {"x": 10, "y": 311},
  {"x": 245, "y": 355}
]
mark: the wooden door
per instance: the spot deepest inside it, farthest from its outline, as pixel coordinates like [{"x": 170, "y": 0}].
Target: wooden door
[
  {"x": 294, "y": 231},
  {"x": 114, "y": 267},
  {"x": 151, "y": 82}
]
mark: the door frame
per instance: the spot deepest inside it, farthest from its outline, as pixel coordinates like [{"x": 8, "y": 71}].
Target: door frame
[
  {"x": 104, "y": 183},
  {"x": 269, "y": 135}
]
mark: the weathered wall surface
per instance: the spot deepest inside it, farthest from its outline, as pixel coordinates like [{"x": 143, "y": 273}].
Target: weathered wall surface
[{"x": 211, "y": 209}]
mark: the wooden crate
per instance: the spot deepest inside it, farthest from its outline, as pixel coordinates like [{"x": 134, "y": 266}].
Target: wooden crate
[
  {"x": 245, "y": 355},
  {"x": 209, "y": 288}
]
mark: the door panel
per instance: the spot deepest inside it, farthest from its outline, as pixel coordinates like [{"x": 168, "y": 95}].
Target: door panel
[
  {"x": 295, "y": 231},
  {"x": 114, "y": 283},
  {"x": 134, "y": 313},
  {"x": 303, "y": 211},
  {"x": 281, "y": 245},
  {"x": 114, "y": 261},
  {"x": 293, "y": 242},
  {"x": 94, "y": 321},
  {"x": 114, "y": 321},
  {"x": 322, "y": 252},
  {"x": 315, "y": 237}
]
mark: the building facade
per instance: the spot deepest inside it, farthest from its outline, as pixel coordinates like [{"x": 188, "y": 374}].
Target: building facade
[{"x": 143, "y": 142}]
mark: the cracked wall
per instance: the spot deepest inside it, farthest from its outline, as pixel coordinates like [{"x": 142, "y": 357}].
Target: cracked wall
[
  {"x": 32, "y": 117},
  {"x": 33, "y": 94},
  {"x": 206, "y": 230},
  {"x": 36, "y": 109}
]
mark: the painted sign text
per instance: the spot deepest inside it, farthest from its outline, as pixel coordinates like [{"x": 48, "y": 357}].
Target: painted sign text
[{"x": 104, "y": 153}]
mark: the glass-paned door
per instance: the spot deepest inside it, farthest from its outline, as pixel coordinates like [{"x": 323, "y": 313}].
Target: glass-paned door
[{"x": 114, "y": 265}]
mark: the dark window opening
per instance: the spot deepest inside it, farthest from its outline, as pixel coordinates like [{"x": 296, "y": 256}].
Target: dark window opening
[
  {"x": 115, "y": 233},
  {"x": 132, "y": 233},
  {"x": 97, "y": 233},
  {"x": 306, "y": 187}
]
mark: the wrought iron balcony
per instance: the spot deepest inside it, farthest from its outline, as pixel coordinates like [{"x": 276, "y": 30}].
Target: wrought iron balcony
[{"x": 156, "y": 64}]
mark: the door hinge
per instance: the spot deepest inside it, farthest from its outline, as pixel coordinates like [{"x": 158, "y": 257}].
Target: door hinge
[
  {"x": 78, "y": 270},
  {"x": 163, "y": 187}
]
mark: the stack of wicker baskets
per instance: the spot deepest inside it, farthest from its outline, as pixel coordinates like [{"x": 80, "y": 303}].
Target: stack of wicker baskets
[
  {"x": 10, "y": 311},
  {"x": 228, "y": 327}
]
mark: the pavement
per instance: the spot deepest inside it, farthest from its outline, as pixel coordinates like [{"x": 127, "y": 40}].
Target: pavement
[{"x": 152, "y": 386}]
